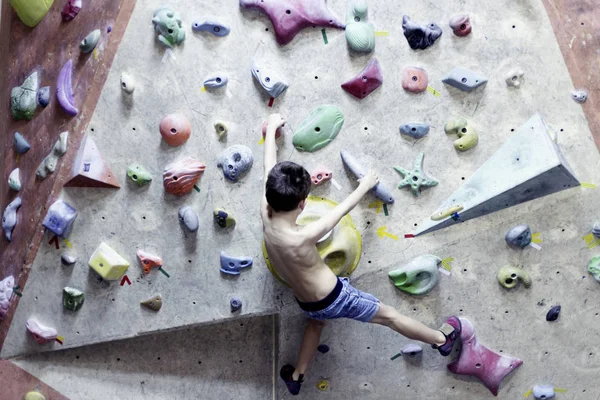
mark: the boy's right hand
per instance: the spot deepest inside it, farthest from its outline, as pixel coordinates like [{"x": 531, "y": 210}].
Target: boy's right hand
[
  {"x": 275, "y": 121},
  {"x": 369, "y": 180}
]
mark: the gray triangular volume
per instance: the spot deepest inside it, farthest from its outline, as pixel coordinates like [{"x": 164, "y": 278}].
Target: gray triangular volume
[{"x": 528, "y": 166}]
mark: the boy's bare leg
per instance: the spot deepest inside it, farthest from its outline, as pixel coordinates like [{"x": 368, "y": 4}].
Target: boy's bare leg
[
  {"x": 406, "y": 326},
  {"x": 310, "y": 342}
]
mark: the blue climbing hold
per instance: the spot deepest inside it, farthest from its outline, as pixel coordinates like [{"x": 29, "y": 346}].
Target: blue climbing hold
[
  {"x": 59, "y": 219},
  {"x": 323, "y": 348},
  {"x": 43, "y": 96},
  {"x": 21, "y": 144},
  {"x": 233, "y": 265},
  {"x": 213, "y": 27},
  {"x": 415, "y": 131},
  {"x": 235, "y": 303}
]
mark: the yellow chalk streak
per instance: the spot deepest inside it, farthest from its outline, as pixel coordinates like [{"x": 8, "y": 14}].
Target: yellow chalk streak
[
  {"x": 69, "y": 245},
  {"x": 62, "y": 339},
  {"x": 560, "y": 390},
  {"x": 95, "y": 54},
  {"x": 536, "y": 238},
  {"x": 433, "y": 91},
  {"x": 203, "y": 89},
  {"x": 446, "y": 263},
  {"x": 382, "y": 33},
  {"x": 261, "y": 141},
  {"x": 17, "y": 159},
  {"x": 378, "y": 204},
  {"x": 529, "y": 392},
  {"x": 588, "y": 185}
]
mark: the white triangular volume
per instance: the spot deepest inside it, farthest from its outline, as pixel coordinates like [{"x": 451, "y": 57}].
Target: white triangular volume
[{"x": 528, "y": 166}]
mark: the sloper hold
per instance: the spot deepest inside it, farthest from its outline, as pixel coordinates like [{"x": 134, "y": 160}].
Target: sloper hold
[
  {"x": 41, "y": 333},
  {"x": 414, "y": 79},
  {"x": 363, "y": 84},
  {"x": 153, "y": 303},
  {"x": 64, "y": 89},
  {"x": 48, "y": 164},
  {"x": 418, "y": 36},
  {"x": 419, "y": 276},
  {"x": 319, "y": 128},
  {"x": 23, "y": 99},
  {"x": 475, "y": 359},
  {"x": 518, "y": 237},
  {"x": 14, "y": 180},
  {"x": 464, "y": 79},
  {"x": 188, "y": 218},
  {"x": 149, "y": 260},
  {"x": 268, "y": 80},
  {"x": 543, "y": 392},
  {"x": 360, "y": 33},
  {"x": 380, "y": 191},
  {"x": 528, "y": 166},
  {"x": 22, "y": 146},
  {"x": 414, "y": 130},
  {"x": 108, "y": 263},
  {"x": 290, "y": 16},
  {"x": 72, "y": 298},
  {"x": 214, "y": 27},
  {"x": 34, "y": 396},
  {"x": 233, "y": 265},
  {"x": 31, "y": 12},
  {"x": 9, "y": 217},
  {"x": 175, "y": 129},
  {"x": 90, "y": 169},
  {"x": 6, "y": 293},
  {"x": 90, "y": 41},
  {"x": 216, "y": 81},
  {"x": 59, "y": 218},
  {"x": 235, "y": 161},
  {"x": 180, "y": 177}
]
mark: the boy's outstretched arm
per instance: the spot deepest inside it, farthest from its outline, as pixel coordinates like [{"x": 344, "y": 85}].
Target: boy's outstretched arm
[
  {"x": 316, "y": 230},
  {"x": 274, "y": 122}
]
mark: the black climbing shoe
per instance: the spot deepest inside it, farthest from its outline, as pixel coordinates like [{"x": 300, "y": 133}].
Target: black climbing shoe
[
  {"x": 286, "y": 374},
  {"x": 451, "y": 330}
]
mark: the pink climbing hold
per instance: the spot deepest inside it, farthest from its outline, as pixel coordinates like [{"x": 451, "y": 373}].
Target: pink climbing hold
[
  {"x": 320, "y": 175},
  {"x": 369, "y": 79},
  {"x": 479, "y": 361},
  {"x": 290, "y": 16},
  {"x": 71, "y": 9}
]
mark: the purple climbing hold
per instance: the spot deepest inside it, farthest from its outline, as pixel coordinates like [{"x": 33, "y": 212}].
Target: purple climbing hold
[
  {"x": 71, "y": 9},
  {"x": 323, "y": 348},
  {"x": 59, "y": 219},
  {"x": 411, "y": 349},
  {"x": 64, "y": 89},
  {"x": 369, "y": 79},
  {"x": 420, "y": 37},
  {"x": 553, "y": 314},
  {"x": 233, "y": 265},
  {"x": 109, "y": 29}
]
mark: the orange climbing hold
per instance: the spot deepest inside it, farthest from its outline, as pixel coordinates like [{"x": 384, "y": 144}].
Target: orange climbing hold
[{"x": 149, "y": 260}]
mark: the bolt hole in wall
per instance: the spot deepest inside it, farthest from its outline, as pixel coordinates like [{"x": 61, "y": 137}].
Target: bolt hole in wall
[{"x": 134, "y": 128}]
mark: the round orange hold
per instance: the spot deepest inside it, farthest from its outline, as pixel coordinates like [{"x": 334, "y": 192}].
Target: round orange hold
[{"x": 175, "y": 129}]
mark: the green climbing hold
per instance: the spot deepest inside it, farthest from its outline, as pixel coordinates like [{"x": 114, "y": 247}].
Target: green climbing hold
[
  {"x": 223, "y": 218},
  {"x": 416, "y": 178},
  {"x": 594, "y": 268},
  {"x": 360, "y": 33},
  {"x": 467, "y": 136},
  {"x": 221, "y": 129},
  {"x": 23, "y": 99},
  {"x": 31, "y": 12},
  {"x": 139, "y": 174},
  {"x": 318, "y": 129},
  {"x": 72, "y": 298},
  {"x": 168, "y": 25},
  {"x": 509, "y": 276},
  {"x": 89, "y": 43},
  {"x": 419, "y": 276}
]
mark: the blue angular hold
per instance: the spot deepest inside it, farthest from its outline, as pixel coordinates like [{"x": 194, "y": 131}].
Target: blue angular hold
[
  {"x": 21, "y": 144},
  {"x": 233, "y": 265},
  {"x": 59, "y": 219},
  {"x": 415, "y": 131},
  {"x": 211, "y": 26},
  {"x": 235, "y": 303},
  {"x": 43, "y": 96}
]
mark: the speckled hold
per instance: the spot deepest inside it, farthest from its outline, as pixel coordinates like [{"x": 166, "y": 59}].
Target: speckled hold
[
  {"x": 235, "y": 304},
  {"x": 235, "y": 161},
  {"x": 268, "y": 80},
  {"x": 41, "y": 333},
  {"x": 467, "y": 136},
  {"x": 508, "y": 276},
  {"x": 323, "y": 348},
  {"x": 460, "y": 25},
  {"x": 59, "y": 218},
  {"x": 414, "y": 130},
  {"x": 153, "y": 303},
  {"x": 414, "y": 79},
  {"x": 319, "y": 128},
  {"x": 411, "y": 349},
  {"x": 14, "y": 180},
  {"x": 180, "y": 177},
  {"x": 420, "y": 37},
  {"x": 518, "y": 237},
  {"x": 72, "y": 298},
  {"x": 189, "y": 218},
  {"x": 233, "y": 265},
  {"x": 214, "y": 27},
  {"x": 594, "y": 268},
  {"x": 127, "y": 83},
  {"x": 221, "y": 129},
  {"x": 543, "y": 392},
  {"x": 149, "y": 260},
  {"x": 216, "y": 81},
  {"x": 71, "y": 9},
  {"x": 68, "y": 258},
  {"x": 363, "y": 84},
  {"x": 223, "y": 218},
  {"x": 48, "y": 164},
  {"x": 23, "y": 99},
  {"x": 6, "y": 294},
  {"x": 580, "y": 96},
  {"x": 21, "y": 144},
  {"x": 553, "y": 314},
  {"x": 175, "y": 129},
  {"x": 514, "y": 78},
  {"x": 43, "y": 96},
  {"x": 168, "y": 25},
  {"x": 320, "y": 174},
  {"x": 90, "y": 41},
  {"x": 360, "y": 34},
  {"x": 34, "y": 396},
  {"x": 9, "y": 218},
  {"x": 139, "y": 175},
  {"x": 464, "y": 79}
]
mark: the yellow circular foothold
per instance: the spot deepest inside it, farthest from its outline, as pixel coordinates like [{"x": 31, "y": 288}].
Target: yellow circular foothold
[
  {"x": 340, "y": 249},
  {"x": 34, "y": 396},
  {"x": 323, "y": 385}
]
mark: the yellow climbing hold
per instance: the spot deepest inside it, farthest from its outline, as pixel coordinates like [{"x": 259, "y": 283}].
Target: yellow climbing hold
[
  {"x": 446, "y": 213},
  {"x": 108, "y": 263},
  {"x": 34, "y": 396},
  {"x": 31, "y": 12},
  {"x": 323, "y": 385}
]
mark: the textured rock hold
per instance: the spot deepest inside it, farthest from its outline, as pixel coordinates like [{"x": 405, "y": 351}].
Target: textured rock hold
[
  {"x": 464, "y": 79},
  {"x": 90, "y": 169},
  {"x": 71, "y": 9},
  {"x": 514, "y": 78},
  {"x": 518, "y": 237},
  {"x": 64, "y": 89},
  {"x": 363, "y": 84},
  {"x": 68, "y": 258},
  {"x": 380, "y": 191},
  {"x": 72, "y": 298},
  {"x": 139, "y": 174},
  {"x": 360, "y": 33},
  {"x": 420, "y": 37},
  {"x": 543, "y": 392},
  {"x": 223, "y": 218},
  {"x": 235, "y": 304},
  {"x": 233, "y": 265},
  {"x": 216, "y": 81},
  {"x": 59, "y": 218},
  {"x": 90, "y": 41},
  {"x": 9, "y": 218},
  {"x": 553, "y": 314},
  {"x": 214, "y": 27},
  {"x": 41, "y": 333},
  {"x": 108, "y": 263},
  {"x": 416, "y": 178},
  {"x": 31, "y": 12},
  {"x": 175, "y": 129},
  {"x": 21, "y": 144},
  {"x": 419, "y": 276},
  {"x": 414, "y": 79},
  {"x": 168, "y": 25},
  {"x": 149, "y": 260},
  {"x": 221, "y": 129},
  {"x": 414, "y": 130},
  {"x": 153, "y": 303},
  {"x": 594, "y": 268},
  {"x": 48, "y": 164},
  {"x": 290, "y": 16},
  {"x": 127, "y": 83},
  {"x": 320, "y": 174},
  {"x": 14, "y": 180},
  {"x": 467, "y": 136},
  {"x": 411, "y": 349},
  {"x": 188, "y": 218},
  {"x": 235, "y": 161},
  {"x": 580, "y": 96},
  {"x": 508, "y": 276},
  {"x": 6, "y": 293},
  {"x": 319, "y": 128},
  {"x": 268, "y": 80},
  {"x": 23, "y": 99},
  {"x": 460, "y": 24},
  {"x": 180, "y": 177},
  {"x": 43, "y": 96}
]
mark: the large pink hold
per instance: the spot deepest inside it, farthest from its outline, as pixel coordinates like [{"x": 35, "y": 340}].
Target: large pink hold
[
  {"x": 369, "y": 79},
  {"x": 477, "y": 360},
  {"x": 290, "y": 16}
]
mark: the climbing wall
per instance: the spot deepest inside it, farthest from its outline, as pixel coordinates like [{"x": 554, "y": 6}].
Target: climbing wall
[{"x": 505, "y": 36}]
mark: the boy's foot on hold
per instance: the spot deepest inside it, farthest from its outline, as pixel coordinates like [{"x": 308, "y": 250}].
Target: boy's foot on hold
[
  {"x": 286, "y": 373},
  {"x": 451, "y": 330}
]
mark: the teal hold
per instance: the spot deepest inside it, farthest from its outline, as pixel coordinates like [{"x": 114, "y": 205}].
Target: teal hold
[
  {"x": 360, "y": 34},
  {"x": 168, "y": 25},
  {"x": 419, "y": 276},
  {"x": 318, "y": 129}
]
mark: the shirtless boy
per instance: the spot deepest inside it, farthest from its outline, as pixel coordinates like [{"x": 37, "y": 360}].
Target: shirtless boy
[{"x": 320, "y": 294}]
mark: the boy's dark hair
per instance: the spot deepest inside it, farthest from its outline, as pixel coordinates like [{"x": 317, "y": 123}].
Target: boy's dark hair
[{"x": 287, "y": 185}]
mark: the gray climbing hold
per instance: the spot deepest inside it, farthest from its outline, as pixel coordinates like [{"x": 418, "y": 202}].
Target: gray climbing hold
[
  {"x": 514, "y": 77},
  {"x": 235, "y": 161},
  {"x": 415, "y": 131},
  {"x": 127, "y": 83},
  {"x": 420, "y": 37},
  {"x": 235, "y": 303},
  {"x": 270, "y": 82},
  {"x": 14, "y": 180},
  {"x": 21, "y": 145},
  {"x": 9, "y": 218},
  {"x": 68, "y": 258},
  {"x": 23, "y": 99},
  {"x": 233, "y": 265},
  {"x": 43, "y": 96},
  {"x": 211, "y": 26},
  {"x": 464, "y": 79},
  {"x": 411, "y": 349},
  {"x": 380, "y": 191},
  {"x": 48, "y": 164},
  {"x": 596, "y": 229},
  {"x": 216, "y": 81},
  {"x": 189, "y": 218},
  {"x": 59, "y": 218},
  {"x": 518, "y": 236},
  {"x": 543, "y": 392},
  {"x": 89, "y": 43},
  {"x": 579, "y": 96}
]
